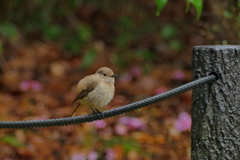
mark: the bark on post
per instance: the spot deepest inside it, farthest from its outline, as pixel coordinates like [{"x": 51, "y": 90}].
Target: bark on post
[{"x": 216, "y": 106}]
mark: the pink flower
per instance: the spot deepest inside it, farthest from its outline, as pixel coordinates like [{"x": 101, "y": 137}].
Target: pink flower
[
  {"x": 124, "y": 120},
  {"x": 183, "y": 122},
  {"x": 110, "y": 154},
  {"x": 136, "y": 123},
  {"x": 92, "y": 155},
  {"x": 100, "y": 124},
  {"x": 120, "y": 129},
  {"x": 132, "y": 123},
  {"x": 136, "y": 71},
  {"x": 78, "y": 157},
  {"x": 179, "y": 75},
  {"x": 30, "y": 85},
  {"x": 129, "y": 76}
]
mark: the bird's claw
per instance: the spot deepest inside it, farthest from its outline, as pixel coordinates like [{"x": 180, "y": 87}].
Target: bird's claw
[{"x": 100, "y": 114}]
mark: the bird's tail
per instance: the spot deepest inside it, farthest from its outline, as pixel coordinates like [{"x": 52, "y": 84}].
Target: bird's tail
[{"x": 76, "y": 109}]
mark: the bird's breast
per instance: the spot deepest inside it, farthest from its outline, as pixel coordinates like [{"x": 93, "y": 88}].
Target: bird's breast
[{"x": 101, "y": 95}]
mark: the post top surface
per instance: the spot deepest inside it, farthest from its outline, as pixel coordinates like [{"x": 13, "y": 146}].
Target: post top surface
[{"x": 217, "y": 47}]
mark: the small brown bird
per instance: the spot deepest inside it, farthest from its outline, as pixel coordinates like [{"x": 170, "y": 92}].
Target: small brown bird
[{"x": 96, "y": 90}]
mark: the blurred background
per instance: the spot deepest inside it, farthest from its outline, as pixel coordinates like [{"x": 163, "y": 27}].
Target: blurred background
[{"x": 46, "y": 47}]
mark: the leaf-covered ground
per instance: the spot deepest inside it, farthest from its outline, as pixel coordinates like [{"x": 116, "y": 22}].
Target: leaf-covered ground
[
  {"x": 41, "y": 68},
  {"x": 41, "y": 85}
]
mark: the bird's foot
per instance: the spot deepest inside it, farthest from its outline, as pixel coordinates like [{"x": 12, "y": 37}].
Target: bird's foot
[{"x": 100, "y": 114}]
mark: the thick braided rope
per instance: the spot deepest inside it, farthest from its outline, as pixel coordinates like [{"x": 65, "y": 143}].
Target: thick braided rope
[{"x": 108, "y": 113}]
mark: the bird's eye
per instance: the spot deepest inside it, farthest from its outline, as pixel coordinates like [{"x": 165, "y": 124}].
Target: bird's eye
[{"x": 104, "y": 74}]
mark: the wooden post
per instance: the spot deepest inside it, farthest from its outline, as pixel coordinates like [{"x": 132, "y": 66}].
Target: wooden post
[{"x": 216, "y": 106}]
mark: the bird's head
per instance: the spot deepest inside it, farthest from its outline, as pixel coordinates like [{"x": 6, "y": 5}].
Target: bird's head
[{"x": 106, "y": 74}]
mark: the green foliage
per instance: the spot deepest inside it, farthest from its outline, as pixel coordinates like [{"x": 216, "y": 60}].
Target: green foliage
[
  {"x": 145, "y": 55},
  {"x": 160, "y": 5},
  {"x": 118, "y": 60},
  {"x": 175, "y": 45},
  {"x": 1, "y": 48},
  {"x": 77, "y": 40},
  {"x": 122, "y": 40},
  {"x": 168, "y": 31},
  {"x": 125, "y": 22},
  {"x": 11, "y": 140},
  {"x": 84, "y": 33},
  {"x": 197, "y": 4},
  {"x": 88, "y": 58},
  {"x": 125, "y": 28},
  {"x": 8, "y": 30},
  {"x": 169, "y": 34},
  {"x": 58, "y": 20},
  {"x": 227, "y": 14},
  {"x": 128, "y": 144},
  {"x": 53, "y": 32},
  {"x": 238, "y": 3},
  {"x": 72, "y": 45},
  {"x": 49, "y": 20}
]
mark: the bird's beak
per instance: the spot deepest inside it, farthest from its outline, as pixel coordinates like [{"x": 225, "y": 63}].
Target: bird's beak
[{"x": 114, "y": 75}]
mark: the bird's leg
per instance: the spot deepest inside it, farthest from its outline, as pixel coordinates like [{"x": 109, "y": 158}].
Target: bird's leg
[
  {"x": 94, "y": 112},
  {"x": 76, "y": 109},
  {"x": 99, "y": 113}
]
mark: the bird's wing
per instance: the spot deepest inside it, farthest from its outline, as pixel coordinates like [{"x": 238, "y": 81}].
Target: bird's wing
[{"x": 85, "y": 86}]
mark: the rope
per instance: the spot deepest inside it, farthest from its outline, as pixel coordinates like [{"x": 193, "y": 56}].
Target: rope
[{"x": 108, "y": 113}]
